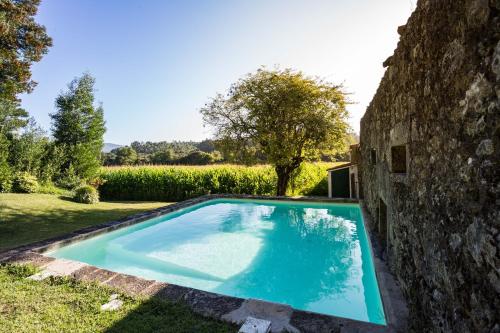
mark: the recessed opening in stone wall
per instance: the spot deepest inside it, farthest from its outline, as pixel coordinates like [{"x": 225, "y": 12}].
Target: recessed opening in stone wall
[
  {"x": 354, "y": 194},
  {"x": 382, "y": 222},
  {"x": 398, "y": 159},
  {"x": 373, "y": 156}
]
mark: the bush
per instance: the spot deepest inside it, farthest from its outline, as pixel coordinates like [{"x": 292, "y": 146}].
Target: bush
[
  {"x": 26, "y": 183},
  {"x": 5, "y": 179},
  {"x": 176, "y": 183},
  {"x": 310, "y": 179},
  {"x": 5, "y": 184},
  {"x": 69, "y": 179},
  {"x": 5, "y": 169},
  {"x": 50, "y": 188},
  {"x": 86, "y": 194}
]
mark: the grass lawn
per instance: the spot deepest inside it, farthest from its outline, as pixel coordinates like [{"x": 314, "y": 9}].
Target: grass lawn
[
  {"x": 63, "y": 305},
  {"x": 26, "y": 218}
]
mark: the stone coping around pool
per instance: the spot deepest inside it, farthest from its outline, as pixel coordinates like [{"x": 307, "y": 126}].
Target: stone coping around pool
[
  {"x": 394, "y": 303},
  {"x": 222, "y": 307}
]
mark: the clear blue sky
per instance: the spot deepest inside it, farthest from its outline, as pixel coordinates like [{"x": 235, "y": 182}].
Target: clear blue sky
[{"x": 157, "y": 62}]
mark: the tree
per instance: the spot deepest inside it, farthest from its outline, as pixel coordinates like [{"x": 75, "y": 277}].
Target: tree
[
  {"x": 28, "y": 148},
  {"x": 206, "y": 146},
  {"x": 286, "y": 115},
  {"x": 78, "y": 127},
  {"x": 162, "y": 157},
  {"x": 22, "y": 42},
  {"x": 125, "y": 156},
  {"x": 196, "y": 158},
  {"x": 12, "y": 117}
]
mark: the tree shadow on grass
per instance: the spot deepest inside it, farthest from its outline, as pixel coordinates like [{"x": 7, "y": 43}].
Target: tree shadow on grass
[
  {"x": 20, "y": 228},
  {"x": 162, "y": 316}
]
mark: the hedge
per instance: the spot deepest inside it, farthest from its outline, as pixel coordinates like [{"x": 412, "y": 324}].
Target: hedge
[{"x": 175, "y": 183}]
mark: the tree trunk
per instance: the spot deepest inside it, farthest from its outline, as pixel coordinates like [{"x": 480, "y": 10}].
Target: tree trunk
[{"x": 284, "y": 174}]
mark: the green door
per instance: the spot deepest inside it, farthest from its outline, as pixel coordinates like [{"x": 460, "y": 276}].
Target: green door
[{"x": 340, "y": 183}]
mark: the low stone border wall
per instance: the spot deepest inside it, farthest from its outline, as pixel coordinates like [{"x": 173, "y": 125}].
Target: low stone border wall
[{"x": 232, "y": 309}]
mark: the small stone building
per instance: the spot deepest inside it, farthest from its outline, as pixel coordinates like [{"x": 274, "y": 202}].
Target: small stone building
[
  {"x": 430, "y": 151},
  {"x": 344, "y": 180}
]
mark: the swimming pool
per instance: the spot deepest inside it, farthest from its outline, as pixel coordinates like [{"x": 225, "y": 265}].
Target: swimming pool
[{"x": 312, "y": 256}]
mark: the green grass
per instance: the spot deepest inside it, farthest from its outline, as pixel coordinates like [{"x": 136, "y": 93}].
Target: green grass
[
  {"x": 64, "y": 305},
  {"x": 26, "y": 218}
]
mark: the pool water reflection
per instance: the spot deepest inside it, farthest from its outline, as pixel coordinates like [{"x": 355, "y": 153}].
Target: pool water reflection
[{"x": 312, "y": 256}]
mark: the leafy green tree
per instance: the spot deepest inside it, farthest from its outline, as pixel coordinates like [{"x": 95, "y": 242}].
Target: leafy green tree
[
  {"x": 22, "y": 42},
  {"x": 206, "y": 146},
  {"x": 125, "y": 156},
  {"x": 5, "y": 169},
  {"x": 216, "y": 156},
  {"x": 12, "y": 117},
  {"x": 28, "y": 148},
  {"x": 196, "y": 158},
  {"x": 78, "y": 127},
  {"x": 51, "y": 162},
  {"x": 108, "y": 158},
  {"x": 165, "y": 156},
  {"x": 284, "y": 114}
]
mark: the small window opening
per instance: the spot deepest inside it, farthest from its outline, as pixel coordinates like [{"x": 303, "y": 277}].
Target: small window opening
[
  {"x": 373, "y": 157},
  {"x": 398, "y": 159}
]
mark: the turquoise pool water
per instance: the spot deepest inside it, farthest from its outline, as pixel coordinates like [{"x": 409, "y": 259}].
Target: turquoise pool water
[{"x": 312, "y": 256}]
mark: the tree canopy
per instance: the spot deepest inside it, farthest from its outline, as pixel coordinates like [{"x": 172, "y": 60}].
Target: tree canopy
[
  {"x": 78, "y": 126},
  {"x": 23, "y": 41},
  {"x": 283, "y": 114}
]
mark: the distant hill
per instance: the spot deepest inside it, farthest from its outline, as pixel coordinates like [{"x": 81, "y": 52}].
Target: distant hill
[{"x": 109, "y": 147}]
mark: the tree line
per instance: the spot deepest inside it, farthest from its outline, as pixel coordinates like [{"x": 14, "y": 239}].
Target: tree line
[
  {"x": 203, "y": 152},
  {"x": 164, "y": 153},
  {"x": 28, "y": 156}
]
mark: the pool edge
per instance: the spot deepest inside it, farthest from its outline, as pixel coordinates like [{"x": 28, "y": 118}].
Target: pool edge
[
  {"x": 216, "y": 305},
  {"x": 393, "y": 302}
]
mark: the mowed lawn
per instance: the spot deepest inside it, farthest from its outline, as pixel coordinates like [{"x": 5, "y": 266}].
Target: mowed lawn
[
  {"x": 26, "y": 218},
  {"x": 64, "y": 305}
]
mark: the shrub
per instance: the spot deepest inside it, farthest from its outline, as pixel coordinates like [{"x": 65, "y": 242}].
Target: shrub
[
  {"x": 69, "y": 179},
  {"x": 5, "y": 169},
  {"x": 309, "y": 179},
  {"x": 25, "y": 183},
  {"x": 5, "y": 178},
  {"x": 86, "y": 194},
  {"x": 5, "y": 184},
  {"x": 175, "y": 183},
  {"x": 50, "y": 188}
]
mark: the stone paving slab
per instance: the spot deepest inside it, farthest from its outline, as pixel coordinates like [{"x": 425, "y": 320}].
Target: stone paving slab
[
  {"x": 85, "y": 273},
  {"x": 211, "y": 304},
  {"x": 132, "y": 285},
  {"x": 64, "y": 267},
  {"x": 254, "y": 325},
  {"x": 172, "y": 292},
  {"x": 96, "y": 275},
  {"x": 278, "y": 314},
  {"x": 32, "y": 258}
]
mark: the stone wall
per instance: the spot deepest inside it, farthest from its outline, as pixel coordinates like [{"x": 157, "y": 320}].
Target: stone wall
[{"x": 439, "y": 99}]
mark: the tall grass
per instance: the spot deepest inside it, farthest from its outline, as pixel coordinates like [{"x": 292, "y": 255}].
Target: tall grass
[{"x": 175, "y": 183}]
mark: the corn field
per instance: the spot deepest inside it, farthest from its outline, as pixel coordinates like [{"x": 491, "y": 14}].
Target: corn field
[{"x": 175, "y": 183}]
